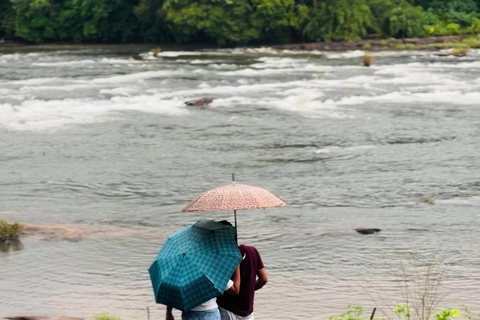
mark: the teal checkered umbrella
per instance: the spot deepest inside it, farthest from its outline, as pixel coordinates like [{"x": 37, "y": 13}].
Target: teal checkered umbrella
[{"x": 195, "y": 265}]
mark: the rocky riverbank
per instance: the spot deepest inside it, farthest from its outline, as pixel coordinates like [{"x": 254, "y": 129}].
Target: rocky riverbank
[{"x": 431, "y": 43}]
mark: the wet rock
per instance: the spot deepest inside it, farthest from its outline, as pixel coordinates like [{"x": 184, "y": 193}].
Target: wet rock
[
  {"x": 54, "y": 232},
  {"x": 137, "y": 58},
  {"x": 430, "y": 201},
  {"x": 26, "y": 317},
  {"x": 38, "y": 317},
  {"x": 367, "y": 230},
  {"x": 199, "y": 102}
]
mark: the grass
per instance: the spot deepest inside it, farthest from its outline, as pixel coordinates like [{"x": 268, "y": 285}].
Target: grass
[
  {"x": 472, "y": 42},
  {"x": 367, "y": 60},
  {"x": 106, "y": 316},
  {"x": 156, "y": 51},
  {"x": 367, "y": 46},
  {"x": 404, "y": 46},
  {"x": 9, "y": 231},
  {"x": 459, "y": 52},
  {"x": 448, "y": 45}
]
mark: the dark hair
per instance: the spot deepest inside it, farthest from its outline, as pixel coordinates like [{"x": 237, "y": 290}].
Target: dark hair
[{"x": 225, "y": 222}]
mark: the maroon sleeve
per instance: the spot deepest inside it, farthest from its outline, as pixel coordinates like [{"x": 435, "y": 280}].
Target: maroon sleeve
[{"x": 259, "y": 261}]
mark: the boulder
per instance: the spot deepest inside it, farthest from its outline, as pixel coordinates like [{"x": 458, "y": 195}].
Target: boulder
[
  {"x": 199, "y": 102},
  {"x": 367, "y": 230}
]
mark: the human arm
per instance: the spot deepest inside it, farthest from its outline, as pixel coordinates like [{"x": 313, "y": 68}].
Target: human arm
[
  {"x": 235, "y": 288},
  {"x": 169, "y": 315},
  {"x": 262, "y": 279}
]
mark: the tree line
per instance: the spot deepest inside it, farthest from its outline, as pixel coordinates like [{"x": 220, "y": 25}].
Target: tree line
[{"x": 232, "y": 22}]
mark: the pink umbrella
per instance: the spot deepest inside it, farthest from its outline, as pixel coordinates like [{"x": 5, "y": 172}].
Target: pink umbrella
[{"x": 234, "y": 196}]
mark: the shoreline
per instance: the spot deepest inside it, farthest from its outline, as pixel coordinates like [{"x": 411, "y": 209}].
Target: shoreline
[
  {"x": 429, "y": 43},
  {"x": 374, "y": 45}
]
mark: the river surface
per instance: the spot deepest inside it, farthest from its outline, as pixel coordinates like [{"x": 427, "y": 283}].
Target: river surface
[{"x": 102, "y": 146}]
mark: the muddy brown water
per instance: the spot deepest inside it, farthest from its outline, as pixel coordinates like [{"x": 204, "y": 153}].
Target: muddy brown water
[{"x": 98, "y": 142}]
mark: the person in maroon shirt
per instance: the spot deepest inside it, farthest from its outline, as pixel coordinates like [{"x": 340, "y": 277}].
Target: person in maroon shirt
[{"x": 253, "y": 276}]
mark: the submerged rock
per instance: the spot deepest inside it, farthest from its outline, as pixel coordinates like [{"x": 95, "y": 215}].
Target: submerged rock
[
  {"x": 367, "y": 230},
  {"x": 26, "y": 317},
  {"x": 37, "y": 317},
  {"x": 54, "y": 232},
  {"x": 199, "y": 102}
]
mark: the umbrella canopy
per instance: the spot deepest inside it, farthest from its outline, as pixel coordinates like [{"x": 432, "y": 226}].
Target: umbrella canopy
[
  {"x": 195, "y": 265},
  {"x": 234, "y": 196}
]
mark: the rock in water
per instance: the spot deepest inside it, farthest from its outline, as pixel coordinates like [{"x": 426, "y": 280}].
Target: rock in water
[
  {"x": 367, "y": 230},
  {"x": 199, "y": 102}
]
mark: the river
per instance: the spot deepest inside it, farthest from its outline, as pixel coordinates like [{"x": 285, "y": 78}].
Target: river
[{"x": 103, "y": 147}]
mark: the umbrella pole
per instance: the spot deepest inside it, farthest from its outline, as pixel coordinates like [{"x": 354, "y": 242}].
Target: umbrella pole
[{"x": 236, "y": 234}]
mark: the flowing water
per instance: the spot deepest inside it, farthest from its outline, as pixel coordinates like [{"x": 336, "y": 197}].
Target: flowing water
[{"x": 101, "y": 148}]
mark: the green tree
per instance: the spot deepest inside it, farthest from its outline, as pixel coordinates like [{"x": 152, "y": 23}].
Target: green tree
[
  {"x": 231, "y": 21},
  {"x": 75, "y": 20},
  {"x": 7, "y": 19},
  {"x": 336, "y": 20},
  {"x": 152, "y": 21},
  {"x": 406, "y": 20},
  {"x": 35, "y": 19},
  {"x": 380, "y": 11},
  {"x": 107, "y": 20}
]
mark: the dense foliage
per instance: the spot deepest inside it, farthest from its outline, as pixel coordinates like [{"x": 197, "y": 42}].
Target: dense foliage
[{"x": 230, "y": 22}]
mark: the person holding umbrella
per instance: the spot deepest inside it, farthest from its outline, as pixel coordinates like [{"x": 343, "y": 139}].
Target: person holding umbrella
[
  {"x": 194, "y": 267},
  {"x": 253, "y": 277},
  {"x": 209, "y": 309}
]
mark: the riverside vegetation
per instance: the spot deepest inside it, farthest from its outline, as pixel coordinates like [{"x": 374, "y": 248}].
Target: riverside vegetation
[
  {"x": 9, "y": 232},
  {"x": 234, "y": 22}
]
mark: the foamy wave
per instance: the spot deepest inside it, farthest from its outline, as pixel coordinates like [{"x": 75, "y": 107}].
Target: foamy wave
[
  {"x": 66, "y": 87},
  {"x": 42, "y": 115},
  {"x": 63, "y": 63},
  {"x": 344, "y": 149},
  {"x": 345, "y": 55},
  {"x": 223, "y": 66},
  {"x": 470, "y": 201},
  {"x": 451, "y": 97},
  {"x": 309, "y": 105},
  {"x": 249, "y": 72},
  {"x": 134, "y": 77},
  {"x": 35, "y": 81}
]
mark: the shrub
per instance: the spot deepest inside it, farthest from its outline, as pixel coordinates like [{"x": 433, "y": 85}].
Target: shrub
[
  {"x": 156, "y": 51},
  {"x": 354, "y": 312},
  {"x": 106, "y": 316},
  {"x": 406, "y": 20},
  {"x": 9, "y": 231},
  {"x": 367, "y": 60},
  {"x": 367, "y": 46}
]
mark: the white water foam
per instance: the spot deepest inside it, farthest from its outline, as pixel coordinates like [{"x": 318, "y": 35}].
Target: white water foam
[
  {"x": 470, "y": 201},
  {"x": 345, "y": 55},
  {"x": 35, "y": 81},
  {"x": 135, "y": 77},
  {"x": 37, "y": 115},
  {"x": 450, "y": 97},
  {"x": 74, "y": 64},
  {"x": 344, "y": 149}
]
